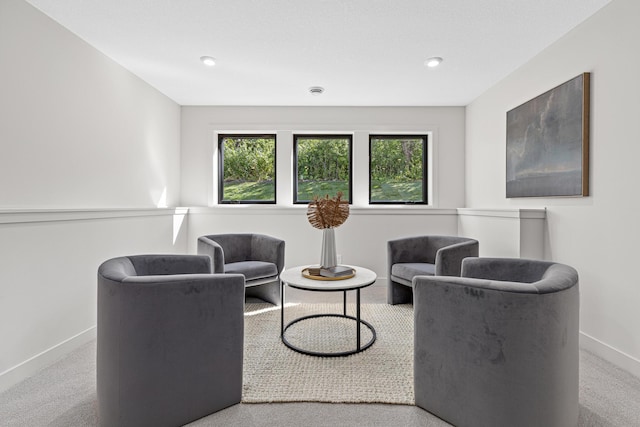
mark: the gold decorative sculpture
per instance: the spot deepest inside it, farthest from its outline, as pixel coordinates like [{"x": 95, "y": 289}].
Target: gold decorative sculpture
[{"x": 325, "y": 212}]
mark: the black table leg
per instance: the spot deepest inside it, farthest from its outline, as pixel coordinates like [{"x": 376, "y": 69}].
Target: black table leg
[
  {"x": 344, "y": 302},
  {"x": 281, "y": 308},
  {"x": 358, "y": 318},
  {"x": 359, "y": 323}
]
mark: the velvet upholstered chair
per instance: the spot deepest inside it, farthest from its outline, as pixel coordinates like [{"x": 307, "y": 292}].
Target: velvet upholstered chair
[
  {"x": 260, "y": 258},
  {"x": 424, "y": 255},
  {"x": 498, "y": 347},
  {"x": 170, "y": 340}
]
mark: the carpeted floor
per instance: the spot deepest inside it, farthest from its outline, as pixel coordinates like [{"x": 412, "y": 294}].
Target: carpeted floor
[
  {"x": 381, "y": 374},
  {"x": 64, "y": 395}
]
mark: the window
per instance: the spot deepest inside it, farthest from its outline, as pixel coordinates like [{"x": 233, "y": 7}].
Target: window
[
  {"x": 322, "y": 165},
  {"x": 247, "y": 166},
  {"x": 397, "y": 169}
]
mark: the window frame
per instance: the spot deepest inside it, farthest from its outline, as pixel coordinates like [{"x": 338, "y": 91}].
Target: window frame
[
  {"x": 221, "y": 137},
  {"x": 349, "y": 137},
  {"x": 425, "y": 168}
]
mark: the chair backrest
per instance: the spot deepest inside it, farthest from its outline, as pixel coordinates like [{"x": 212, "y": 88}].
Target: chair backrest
[
  {"x": 160, "y": 320},
  {"x": 421, "y": 248},
  {"x": 544, "y": 276},
  {"x": 117, "y": 269},
  {"x": 236, "y": 247},
  {"x": 243, "y": 247},
  {"x": 438, "y": 242},
  {"x": 511, "y": 323},
  {"x": 152, "y": 265}
]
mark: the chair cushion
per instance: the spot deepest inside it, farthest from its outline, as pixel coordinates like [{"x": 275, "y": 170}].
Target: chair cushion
[
  {"x": 252, "y": 270},
  {"x": 409, "y": 270}
]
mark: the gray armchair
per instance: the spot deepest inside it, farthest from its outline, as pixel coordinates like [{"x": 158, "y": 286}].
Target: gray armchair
[
  {"x": 170, "y": 340},
  {"x": 499, "y": 345},
  {"x": 260, "y": 258},
  {"x": 424, "y": 255}
]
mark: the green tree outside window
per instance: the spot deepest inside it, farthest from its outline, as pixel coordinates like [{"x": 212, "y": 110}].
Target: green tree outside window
[
  {"x": 247, "y": 168},
  {"x": 397, "y": 167},
  {"x": 323, "y": 166}
]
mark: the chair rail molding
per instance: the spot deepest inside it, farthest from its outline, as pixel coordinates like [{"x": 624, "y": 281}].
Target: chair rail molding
[
  {"x": 18, "y": 216},
  {"x": 505, "y": 232},
  {"x": 538, "y": 213},
  {"x": 302, "y": 209}
]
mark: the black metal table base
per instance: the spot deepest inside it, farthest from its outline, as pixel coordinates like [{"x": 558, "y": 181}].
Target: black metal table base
[{"x": 358, "y": 348}]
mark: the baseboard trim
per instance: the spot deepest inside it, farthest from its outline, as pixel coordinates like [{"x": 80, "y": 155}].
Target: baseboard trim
[
  {"x": 613, "y": 355},
  {"x": 24, "y": 370}
]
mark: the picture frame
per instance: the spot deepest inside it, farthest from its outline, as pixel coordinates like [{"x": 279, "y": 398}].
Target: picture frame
[{"x": 547, "y": 143}]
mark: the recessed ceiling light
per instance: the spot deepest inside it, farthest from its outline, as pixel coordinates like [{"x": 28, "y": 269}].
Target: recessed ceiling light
[
  {"x": 316, "y": 90},
  {"x": 432, "y": 62},
  {"x": 208, "y": 61}
]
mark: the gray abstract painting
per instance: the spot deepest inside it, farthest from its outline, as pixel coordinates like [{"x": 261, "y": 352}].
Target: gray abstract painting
[{"x": 547, "y": 143}]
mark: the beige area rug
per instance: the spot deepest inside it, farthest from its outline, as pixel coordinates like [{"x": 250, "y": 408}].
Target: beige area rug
[{"x": 381, "y": 374}]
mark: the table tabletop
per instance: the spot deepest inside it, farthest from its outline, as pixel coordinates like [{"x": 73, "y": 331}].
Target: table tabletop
[{"x": 294, "y": 278}]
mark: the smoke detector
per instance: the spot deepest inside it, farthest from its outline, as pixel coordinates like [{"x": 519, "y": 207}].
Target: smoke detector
[{"x": 316, "y": 90}]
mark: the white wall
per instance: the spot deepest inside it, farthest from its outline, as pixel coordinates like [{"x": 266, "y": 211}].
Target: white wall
[
  {"x": 48, "y": 266},
  {"x": 505, "y": 232},
  {"x": 362, "y": 239},
  {"x": 77, "y": 131},
  {"x": 199, "y": 125},
  {"x": 594, "y": 234}
]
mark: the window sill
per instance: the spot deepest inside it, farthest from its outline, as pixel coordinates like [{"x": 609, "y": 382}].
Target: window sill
[{"x": 239, "y": 209}]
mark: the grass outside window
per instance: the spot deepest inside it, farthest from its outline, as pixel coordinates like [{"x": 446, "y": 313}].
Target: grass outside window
[
  {"x": 322, "y": 166},
  {"x": 397, "y": 169},
  {"x": 247, "y": 169}
]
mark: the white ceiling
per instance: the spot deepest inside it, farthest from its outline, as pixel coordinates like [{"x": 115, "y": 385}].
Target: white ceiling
[{"x": 363, "y": 52}]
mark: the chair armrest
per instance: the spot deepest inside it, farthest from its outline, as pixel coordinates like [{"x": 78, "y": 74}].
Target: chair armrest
[
  {"x": 268, "y": 249},
  {"x": 209, "y": 247},
  {"x": 449, "y": 258}
]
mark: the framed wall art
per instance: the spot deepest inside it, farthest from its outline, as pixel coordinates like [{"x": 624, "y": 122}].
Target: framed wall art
[{"x": 548, "y": 143}]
